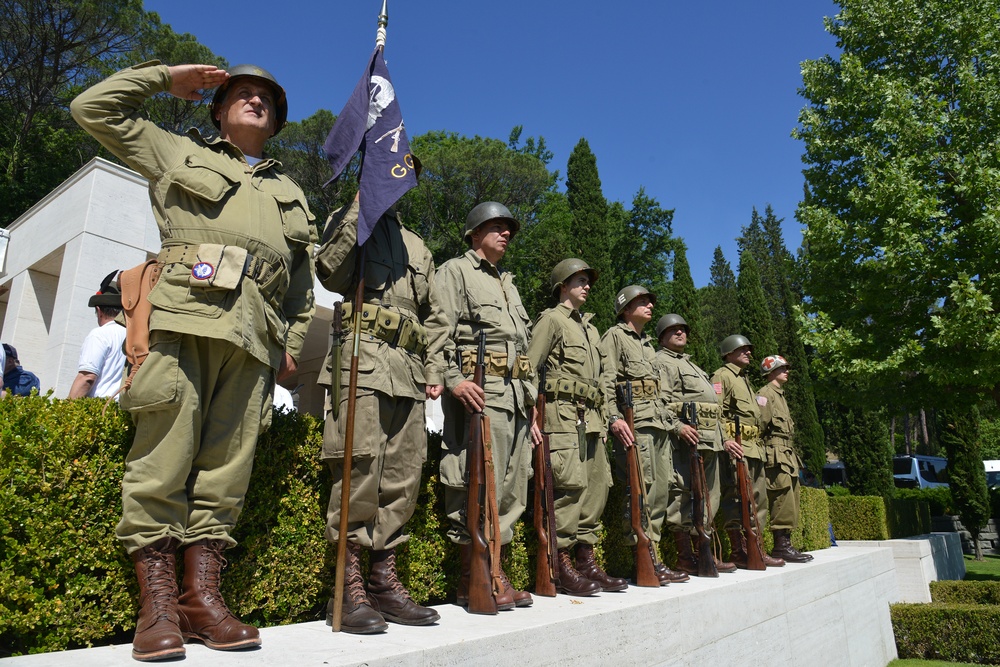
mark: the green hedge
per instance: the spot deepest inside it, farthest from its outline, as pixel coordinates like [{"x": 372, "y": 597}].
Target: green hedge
[
  {"x": 908, "y": 516},
  {"x": 858, "y": 518},
  {"x": 67, "y": 582},
  {"x": 939, "y": 499},
  {"x": 966, "y": 592},
  {"x": 950, "y": 632}
]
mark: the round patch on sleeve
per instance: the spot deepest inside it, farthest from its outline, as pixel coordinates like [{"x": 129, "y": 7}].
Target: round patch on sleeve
[
  {"x": 203, "y": 271},
  {"x": 762, "y": 401}
]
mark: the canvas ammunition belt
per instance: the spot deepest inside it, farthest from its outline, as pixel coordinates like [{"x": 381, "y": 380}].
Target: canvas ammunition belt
[
  {"x": 644, "y": 389},
  {"x": 746, "y": 430},
  {"x": 388, "y": 325},
  {"x": 708, "y": 413},
  {"x": 576, "y": 390},
  {"x": 496, "y": 364},
  {"x": 258, "y": 270}
]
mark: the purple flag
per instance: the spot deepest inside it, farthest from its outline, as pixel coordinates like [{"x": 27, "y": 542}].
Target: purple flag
[{"x": 371, "y": 120}]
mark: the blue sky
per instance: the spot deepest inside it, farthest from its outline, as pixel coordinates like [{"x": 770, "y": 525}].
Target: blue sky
[{"x": 693, "y": 101}]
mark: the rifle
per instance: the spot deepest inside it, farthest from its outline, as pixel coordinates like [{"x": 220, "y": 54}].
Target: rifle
[
  {"x": 645, "y": 572},
  {"x": 748, "y": 509},
  {"x": 335, "y": 346},
  {"x": 547, "y": 559},
  {"x": 482, "y": 599},
  {"x": 699, "y": 485}
]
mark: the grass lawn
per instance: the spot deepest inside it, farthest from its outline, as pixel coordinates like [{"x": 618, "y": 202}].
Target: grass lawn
[
  {"x": 910, "y": 662},
  {"x": 986, "y": 570}
]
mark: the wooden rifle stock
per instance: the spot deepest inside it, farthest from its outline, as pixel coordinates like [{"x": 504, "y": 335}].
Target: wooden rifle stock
[
  {"x": 645, "y": 572},
  {"x": 748, "y": 509},
  {"x": 547, "y": 559},
  {"x": 481, "y": 594},
  {"x": 706, "y": 561}
]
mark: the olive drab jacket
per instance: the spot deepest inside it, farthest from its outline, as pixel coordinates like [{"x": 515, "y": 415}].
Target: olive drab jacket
[
  {"x": 568, "y": 344},
  {"x": 402, "y": 343},
  {"x": 476, "y": 295},
  {"x": 683, "y": 382},
  {"x": 631, "y": 358},
  {"x": 778, "y": 429},
  {"x": 236, "y": 239},
  {"x": 738, "y": 399}
]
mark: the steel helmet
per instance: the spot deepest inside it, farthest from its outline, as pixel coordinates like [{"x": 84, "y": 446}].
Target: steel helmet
[
  {"x": 253, "y": 72},
  {"x": 772, "y": 363},
  {"x": 483, "y": 213},
  {"x": 628, "y": 294},
  {"x": 670, "y": 320},
  {"x": 733, "y": 342},
  {"x": 566, "y": 268}
]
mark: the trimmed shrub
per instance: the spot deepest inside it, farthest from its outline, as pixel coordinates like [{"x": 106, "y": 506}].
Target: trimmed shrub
[
  {"x": 907, "y": 517},
  {"x": 949, "y": 632},
  {"x": 814, "y": 519},
  {"x": 938, "y": 498},
  {"x": 858, "y": 518},
  {"x": 966, "y": 592}
]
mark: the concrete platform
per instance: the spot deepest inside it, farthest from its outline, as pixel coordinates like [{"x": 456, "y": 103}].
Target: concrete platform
[
  {"x": 833, "y": 611},
  {"x": 920, "y": 560}
]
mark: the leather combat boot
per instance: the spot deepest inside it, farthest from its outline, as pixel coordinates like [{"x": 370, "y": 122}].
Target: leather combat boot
[
  {"x": 572, "y": 582},
  {"x": 686, "y": 559},
  {"x": 783, "y": 548},
  {"x": 505, "y": 600},
  {"x": 588, "y": 567},
  {"x": 157, "y": 631},
  {"x": 389, "y": 598},
  {"x": 357, "y": 616},
  {"x": 520, "y": 598},
  {"x": 664, "y": 573},
  {"x": 204, "y": 614},
  {"x": 771, "y": 561},
  {"x": 738, "y": 545},
  {"x": 724, "y": 566}
]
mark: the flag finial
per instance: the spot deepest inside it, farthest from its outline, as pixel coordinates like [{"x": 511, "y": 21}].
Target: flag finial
[{"x": 383, "y": 21}]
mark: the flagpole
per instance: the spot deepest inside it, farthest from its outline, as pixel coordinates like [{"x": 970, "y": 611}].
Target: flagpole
[{"x": 352, "y": 397}]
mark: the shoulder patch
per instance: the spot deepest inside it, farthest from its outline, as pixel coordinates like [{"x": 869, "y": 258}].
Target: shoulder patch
[
  {"x": 762, "y": 401},
  {"x": 717, "y": 386}
]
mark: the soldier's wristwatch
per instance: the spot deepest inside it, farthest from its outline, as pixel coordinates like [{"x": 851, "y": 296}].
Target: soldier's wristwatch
[{"x": 613, "y": 419}]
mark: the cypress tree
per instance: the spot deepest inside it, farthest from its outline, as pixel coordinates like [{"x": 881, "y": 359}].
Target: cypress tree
[
  {"x": 755, "y": 317},
  {"x": 684, "y": 301},
  {"x": 862, "y": 440},
  {"x": 720, "y": 307},
  {"x": 959, "y": 433},
  {"x": 589, "y": 230}
]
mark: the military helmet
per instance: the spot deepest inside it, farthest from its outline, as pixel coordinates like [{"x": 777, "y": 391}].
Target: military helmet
[
  {"x": 566, "y": 268},
  {"x": 670, "y": 320},
  {"x": 486, "y": 211},
  {"x": 108, "y": 296},
  {"x": 773, "y": 363},
  {"x": 628, "y": 294},
  {"x": 734, "y": 342},
  {"x": 254, "y": 72}
]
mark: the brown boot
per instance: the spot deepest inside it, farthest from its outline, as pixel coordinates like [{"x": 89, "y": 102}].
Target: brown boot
[
  {"x": 157, "y": 631},
  {"x": 724, "y": 566},
  {"x": 783, "y": 548},
  {"x": 204, "y": 614},
  {"x": 357, "y": 616},
  {"x": 664, "y": 573},
  {"x": 587, "y": 566},
  {"x": 389, "y": 598},
  {"x": 738, "y": 544},
  {"x": 770, "y": 561},
  {"x": 687, "y": 561},
  {"x": 520, "y": 598},
  {"x": 572, "y": 582},
  {"x": 505, "y": 600}
]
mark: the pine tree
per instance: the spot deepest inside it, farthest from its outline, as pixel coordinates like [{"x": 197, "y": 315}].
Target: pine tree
[
  {"x": 684, "y": 301},
  {"x": 959, "y": 432},
  {"x": 755, "y": 318},
  {"x": 720, "y": 307},
  {"x": 589, "y": 230}
]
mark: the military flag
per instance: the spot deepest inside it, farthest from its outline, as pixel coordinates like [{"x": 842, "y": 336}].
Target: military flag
[{"x": 372, "y": 122}]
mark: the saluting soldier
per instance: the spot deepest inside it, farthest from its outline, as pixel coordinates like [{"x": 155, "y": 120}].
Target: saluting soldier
[
  {"x": 565, "y": 342},
  {"x": 684, "y": 382},
  {"x": 401, "y": 363},
  {"x": 630, "y": 359},
  {"x": 477, "y": 295},
  {"x": 738, "y": 399},
  {"x": 783, "y": 462},
  {"x": 230, "y": 312}
]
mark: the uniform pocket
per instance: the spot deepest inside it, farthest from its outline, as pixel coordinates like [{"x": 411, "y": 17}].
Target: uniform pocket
[{"x": 155, "y": 386}]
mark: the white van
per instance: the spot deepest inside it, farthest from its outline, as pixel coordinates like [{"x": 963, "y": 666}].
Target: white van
[
  {"x": 919, "y": 472},
  {"x": 992, "y": 474}
]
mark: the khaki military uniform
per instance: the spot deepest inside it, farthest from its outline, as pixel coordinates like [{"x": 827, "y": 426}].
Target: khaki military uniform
[
  {"x": 738, "y": 399},
  {"x": 568, "y": 345},
  {"x": 782, "y": 462},
  {"x": 235, "y": 294},
  {"x": 401, "y": 351},
  {"x": 683, "y": 382},
  {"x": 630, "y": 357},
  {"x": 477, "y": 296}
]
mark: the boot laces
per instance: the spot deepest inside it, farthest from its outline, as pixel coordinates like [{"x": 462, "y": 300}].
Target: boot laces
[
  {"x": 161, "y": 584},
  {"x": 394, "y": 583}
]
